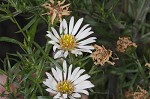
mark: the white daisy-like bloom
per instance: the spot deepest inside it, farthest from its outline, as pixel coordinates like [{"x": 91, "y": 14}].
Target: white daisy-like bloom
[
  {"x": 71, "y": 39},
  {"x": 66, "y": 83}
]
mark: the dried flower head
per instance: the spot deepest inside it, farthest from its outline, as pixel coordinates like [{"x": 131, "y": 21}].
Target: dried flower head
[
  {"x": 123, "y": 43},
  {"x": 147, "y": 64},
  {"x": 57, "y": 10},
  {"x": 101, "y": 55},
  {"x": 140, "y": 94},
  {"x": 128, "y": 94}
]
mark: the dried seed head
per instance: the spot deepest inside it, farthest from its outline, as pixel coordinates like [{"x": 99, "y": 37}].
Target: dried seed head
[
  {"x": 123, "y": 43},
  {"x": 101, "y": 55},
  {"x": 140, "y": 94},
  {"x": 56, "y": 11},
  {"x": 128, "y": 94},
  {"x": 147, "y": 64}
]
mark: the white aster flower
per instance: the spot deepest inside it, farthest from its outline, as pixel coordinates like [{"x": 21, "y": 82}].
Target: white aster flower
[
  {"x": 71, "y": 39},
  {"x": 67, "y": 83}
]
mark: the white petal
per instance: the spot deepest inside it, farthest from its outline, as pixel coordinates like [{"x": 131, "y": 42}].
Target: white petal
[
  {"x": 59, "y": 73},
  {"x": 50, "y": 35},
  {"x": 87, "y": 41},
  {"x": 74, "y": 73},
  {"x": 61, "y": 28},
  {"x": 65, "y": 69},
  {"x": 55, "y": 32},
  {"x": 76, "y": 52},
  {"x": 82, "y": 91},
  {"x": 65, "y": 96},
  {"x": 84, "y": 85},
  {"x": 54, "y": 48},
  {"x": 52, "y": 42},
  {"x": 71, "y": 97},
  {"x": 82, "y": 29},
  {"x": 78, "y": 74},
  {"x": 65, "y": 26},
  {"x": 71, "y": 24},
  {"x": 61, "y": 98},
  {"x": 66, "y": 54},
  {"x": 84, "y": 35},
  {"x": 55, "y": 45},
  {"x": 76, "y": 95},
  {"x": 55, "y": 74},
  {"x": 51, "y": 91},
  {"x": 69, "y": 72},
  {"x": 85, "y": 50},
  {"x": 81, "y": 79},
  {"x": 76, "y": 27},
  {"x": 52, "y": 80},
  {"x": 85, "y": 32},
  {"x": 57, "y": 96},
  {"x": 48, "y": 83},
  {"x": 59, "y": 54},
  {"x": 86, "y": 47}
]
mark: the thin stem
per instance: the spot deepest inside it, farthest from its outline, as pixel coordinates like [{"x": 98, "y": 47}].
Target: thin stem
[{"x": 24, "y": 34}]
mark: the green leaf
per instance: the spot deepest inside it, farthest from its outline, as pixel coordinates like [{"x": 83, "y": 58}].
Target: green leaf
[
  {"x": 2, "y": 71},
  {"x": 29, "y": 24},
  {"x": 11, "y": 40},
  {"x": 33, "y": 28},
  {"x": 7, "y": 16},
  {"x": 4, "y": 17}
]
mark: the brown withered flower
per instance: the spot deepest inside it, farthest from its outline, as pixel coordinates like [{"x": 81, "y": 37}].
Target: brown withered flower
[
  {"x": 56, "y": 10},
  {"x": 147, "y": 64},
  {"x": 140, "y": 94},
  {"x": 123, "y": 43},
  {"x": 128, "y": 94},
  {"x": 101, "y": 55}
]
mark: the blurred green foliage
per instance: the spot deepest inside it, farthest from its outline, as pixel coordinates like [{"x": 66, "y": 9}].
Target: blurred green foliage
[{"x": 110, "y": 19}]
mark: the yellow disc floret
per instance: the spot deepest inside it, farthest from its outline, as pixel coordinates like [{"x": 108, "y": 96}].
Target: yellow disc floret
[
  {"x": 67, "y": 42},
  {"x": 65, "y": 87}
]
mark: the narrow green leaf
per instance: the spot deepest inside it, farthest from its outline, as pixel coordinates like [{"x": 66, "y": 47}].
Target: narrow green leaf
[
  {"x": 2, "y": 71},
  {"x": 29, "y": 24},
  {"x": 11, "y": 40},
  {"x": 33, "y": 28}
]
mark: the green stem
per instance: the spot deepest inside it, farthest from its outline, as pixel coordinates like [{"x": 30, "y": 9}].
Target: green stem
[
  {"x": 93, "y": 70},
  {"x": 141, "y": 70},
  {"x": 24, "y": 34}
]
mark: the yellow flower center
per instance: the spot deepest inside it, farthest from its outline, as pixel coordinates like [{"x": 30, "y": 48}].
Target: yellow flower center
[
  {"x": 65, "y": 87},
  {"x": 67, "y": 42}
]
